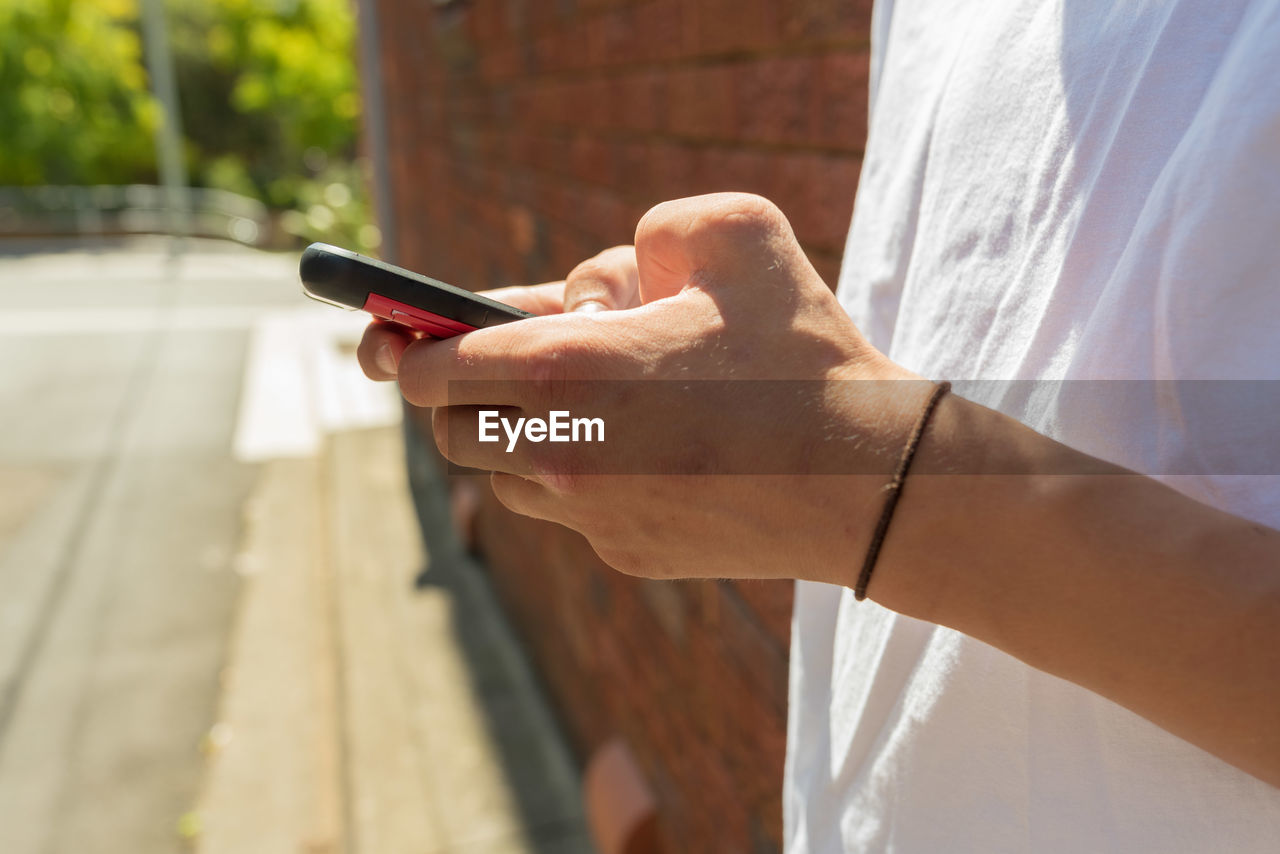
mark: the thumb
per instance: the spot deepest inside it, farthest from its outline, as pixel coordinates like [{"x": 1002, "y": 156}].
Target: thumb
[{"x": 718, "y": 240}]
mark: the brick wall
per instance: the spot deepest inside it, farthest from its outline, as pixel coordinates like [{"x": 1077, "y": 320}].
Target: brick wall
[{"x": 527, "y": 136}]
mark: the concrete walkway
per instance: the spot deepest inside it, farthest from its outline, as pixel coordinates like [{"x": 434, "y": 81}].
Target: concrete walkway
[{"x": 210, "y": 638}]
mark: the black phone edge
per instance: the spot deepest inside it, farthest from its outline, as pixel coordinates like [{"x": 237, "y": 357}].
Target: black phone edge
[{"x": 336, "y": 275}]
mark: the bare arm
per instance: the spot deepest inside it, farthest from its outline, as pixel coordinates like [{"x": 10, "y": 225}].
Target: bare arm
[{"x": 1113, "y": 581}]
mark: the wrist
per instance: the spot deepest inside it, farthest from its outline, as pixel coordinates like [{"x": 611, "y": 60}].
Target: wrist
[
  {"x": 893, "y": 490},
  {"x": 986, "y": 496},
  {"x": 877, "y": 406},
  {"x": 912, "y": 575}
]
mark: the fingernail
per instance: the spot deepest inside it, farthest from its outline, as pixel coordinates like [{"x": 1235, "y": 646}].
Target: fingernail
[
  {"x": 385, "y": 359},
  {"x": 589, "y": 307}
]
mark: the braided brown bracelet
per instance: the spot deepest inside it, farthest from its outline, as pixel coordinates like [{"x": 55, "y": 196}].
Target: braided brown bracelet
[{"x": 893, "y": 490}]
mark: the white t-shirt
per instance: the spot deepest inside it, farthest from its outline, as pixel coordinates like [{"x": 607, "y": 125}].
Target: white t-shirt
[{"x": 1051, "y": 190}]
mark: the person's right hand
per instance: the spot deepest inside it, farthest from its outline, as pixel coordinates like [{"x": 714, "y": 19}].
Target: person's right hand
[{"x": 610, "y": 280}]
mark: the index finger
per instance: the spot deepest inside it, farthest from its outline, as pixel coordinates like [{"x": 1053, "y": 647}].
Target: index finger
[
  {"x": 486, "y": 362},
  {"x": 513, "y": 364}
]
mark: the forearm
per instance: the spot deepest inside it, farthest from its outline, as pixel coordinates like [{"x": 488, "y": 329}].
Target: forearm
[{"x": 1105, "y": 578}]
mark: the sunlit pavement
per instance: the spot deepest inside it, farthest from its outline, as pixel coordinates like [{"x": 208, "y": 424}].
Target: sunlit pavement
[{"x": 210, "y": 638}]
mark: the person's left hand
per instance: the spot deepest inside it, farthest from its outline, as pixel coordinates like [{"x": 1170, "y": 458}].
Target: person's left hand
[{"x": 724, "y": 293}]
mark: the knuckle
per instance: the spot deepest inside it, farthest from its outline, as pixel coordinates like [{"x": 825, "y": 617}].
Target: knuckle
[
  {"x": 554, "y": 366},
  {"x": 711, "y": 220},
  {"x": 744, "y": 214},
  {"x": 622, "y": 253},
  {"x": 518, "y": 495},
  {"x": 416, "y": 375},
  {"x": 595, "y": 269},
  {"x": 547, "y": 369},
  {"x": 660, "y": 218},
  {"x": 365, "y": 352},
  {"x": 620, "y": 559},
  {"x": 506, "y": 489},
  {"x": 559, "y": 477},
  {"x": 548, "y": 379}
]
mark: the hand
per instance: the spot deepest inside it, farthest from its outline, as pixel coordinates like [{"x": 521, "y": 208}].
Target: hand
[{"x": 721, "y": 290}]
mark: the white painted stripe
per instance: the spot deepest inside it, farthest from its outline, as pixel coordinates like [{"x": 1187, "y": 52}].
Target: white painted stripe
[
  {"x": 275, "y": 417},
  {"x": 105, "y": 321},
  {"x": 302, "y": 381}
]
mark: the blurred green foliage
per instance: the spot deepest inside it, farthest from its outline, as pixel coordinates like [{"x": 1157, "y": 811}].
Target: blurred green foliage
[
  {"x": 74, "y": 107},
  {"x": 269, "y": 98}
]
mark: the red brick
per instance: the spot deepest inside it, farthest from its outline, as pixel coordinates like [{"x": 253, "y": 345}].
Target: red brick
[
  {"x": 500, "y": 64},
  {"x": 633, "y": 167},
  {"x": 777, "y": 99},
  {"x": 609, "y": 222},
  {"x": 545, "y": 53},
  {"x": 747, "y": 171},
  {"x": 771, "y": 601},
  {"x": 567, "y": 251},
  {"x": 639, "y": 101},
  {"x": 590, "y": 160},
  {"x": 547, "y": 154},
  {"x": 728, "y": 26},
  {"x": 826, "y": 21},
  {"x": 665, "y": 30},
  {"x": 609, "y": 39},
  {"x": 540, "y": 17},
  {"x": 592, "y": 103},
  {"x": 815, "y": 191},
  {"x": 701, "y": 103},
  {"x": 673, "y": 169}
]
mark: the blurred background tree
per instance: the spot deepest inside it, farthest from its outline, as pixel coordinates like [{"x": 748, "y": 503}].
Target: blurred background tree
[
  {"x": 269, "y": 92},
  {"x": 74, "y": 105}
]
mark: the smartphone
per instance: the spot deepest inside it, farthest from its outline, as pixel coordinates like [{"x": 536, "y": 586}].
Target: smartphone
[{"x": 343, "y": 278}]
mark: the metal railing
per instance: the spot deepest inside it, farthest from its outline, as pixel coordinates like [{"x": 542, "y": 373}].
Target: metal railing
[{"x": 130, "y": 209}]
